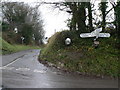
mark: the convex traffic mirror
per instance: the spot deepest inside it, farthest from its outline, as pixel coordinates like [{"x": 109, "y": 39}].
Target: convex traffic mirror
[{"x": 67, "y": 41}]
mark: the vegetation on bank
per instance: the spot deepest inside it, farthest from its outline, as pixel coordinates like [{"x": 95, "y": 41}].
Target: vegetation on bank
[
  {"x": 6, "y": 48},
  {"x": 81, "y": 56}
]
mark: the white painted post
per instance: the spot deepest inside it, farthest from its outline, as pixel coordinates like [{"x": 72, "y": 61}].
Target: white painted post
[
  {"x": 96, "y": 33},
  {"x": 22, "y": 38}
]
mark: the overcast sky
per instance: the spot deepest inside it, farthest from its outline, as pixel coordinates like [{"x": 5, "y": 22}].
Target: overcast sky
[{"x": 54, "y": 20}]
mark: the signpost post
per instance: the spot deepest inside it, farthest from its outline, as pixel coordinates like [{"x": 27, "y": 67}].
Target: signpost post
[{"x": 22, "y": 38}]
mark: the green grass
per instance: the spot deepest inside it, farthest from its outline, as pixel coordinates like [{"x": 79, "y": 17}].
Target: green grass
[
  {"x": 7, "y": 48},
  {"x": 81, "y": 56}
]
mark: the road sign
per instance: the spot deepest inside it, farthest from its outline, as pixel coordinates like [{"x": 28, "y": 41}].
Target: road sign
[
  {"x": 104, "y": 35},
  {"x": 96, "y": 33},
  {"x": 84, "y": 35},
  {"x": 98, "y": 30},
  {"x": 22, "y": 38}
]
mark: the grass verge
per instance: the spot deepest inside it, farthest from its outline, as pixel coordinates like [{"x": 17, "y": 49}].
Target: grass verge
[
  {"x": 6, "y": 48},
  {"x": 82, "y": 57}
]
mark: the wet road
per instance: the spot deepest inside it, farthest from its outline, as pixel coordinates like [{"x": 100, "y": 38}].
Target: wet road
[{"x": 22, "y": 70}]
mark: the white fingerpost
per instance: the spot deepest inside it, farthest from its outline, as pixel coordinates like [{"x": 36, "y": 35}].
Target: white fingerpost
[
  {"x": 96, "y": 33},
  {"x": 22, "y": 38}
]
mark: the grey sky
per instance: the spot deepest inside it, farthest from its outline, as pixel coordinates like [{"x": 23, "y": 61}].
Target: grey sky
[{"x": 54, "y": 19}]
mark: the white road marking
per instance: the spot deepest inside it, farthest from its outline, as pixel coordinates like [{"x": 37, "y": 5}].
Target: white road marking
[
  {"x": 10, "y": 63},
  {"x": 39, "y": 71},
  {"x": 14, "y": 61},
  {"x": 7, "y": 68},
  {"x": 23, "y": 69},
  {"x": 55, "y": 72},
  {"x": 11, "y": 68}
]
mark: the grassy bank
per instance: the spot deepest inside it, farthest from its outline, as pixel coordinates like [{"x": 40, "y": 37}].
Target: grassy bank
[
  {"x": 81, "y": 56},
  {"x": 7, "y": 48}
]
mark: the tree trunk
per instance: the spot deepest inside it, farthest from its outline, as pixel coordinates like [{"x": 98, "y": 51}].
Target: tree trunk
[
  {"x": 81, "y": 17},
  {"x": 103, "y": 10},
  {"x": 90, "y": 17},
  {"x": 117, "y": 17},
  {"x": 73, "y": 7}
]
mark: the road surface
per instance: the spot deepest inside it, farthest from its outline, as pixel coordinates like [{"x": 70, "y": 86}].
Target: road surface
[{"x": 23, "y": 70}]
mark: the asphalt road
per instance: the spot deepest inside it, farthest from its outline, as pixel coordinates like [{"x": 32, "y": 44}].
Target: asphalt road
[{"x": 22, "y": 70}]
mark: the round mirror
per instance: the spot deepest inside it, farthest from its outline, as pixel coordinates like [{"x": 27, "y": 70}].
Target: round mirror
[
  {"x": 16, "y": 30},
  {"x": 67, "y": 41}
]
